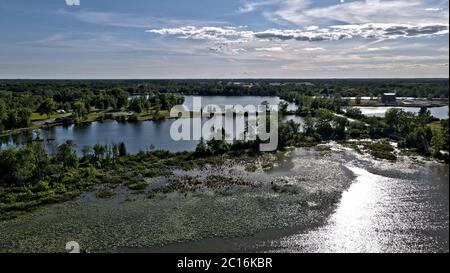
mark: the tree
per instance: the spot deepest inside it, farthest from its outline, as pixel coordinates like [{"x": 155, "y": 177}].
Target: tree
[
  {"x": 201, "y": 149},
  {"x": 26, "y": 165},
  {"x": 136, "y": 105},
  {"x": 42, "y": 159},
  {"x": 24, "y": 115},
  {"x": 8, "y": 162},
  {"x": 445, "y": 125},
  {"x": 156, "y": 115},
  {"x": 217, "y": 143},
  {"x": 121, "y": 97},
  {"x": 19, "y": 118},
  {"x": 17, "y": 166},
  {"x": 66, "y": 155},
  {"x": 287, "y": 133},
  {"x": 3, "y": 113},
  {"x": 424, "y": 116},
  {"x": 99, "y": 151},
  {"x": 283, "y": 107},
  {"x": 355, "y": 113},
  {"x": 47, "y": 107},
  {"x": 399, "y": 122},
  {"x": 86, "y": 151},
  {"x": 122, "y": 150},
  {"x": 419, "y": 139},
  {"x": 79, "y": 109}
]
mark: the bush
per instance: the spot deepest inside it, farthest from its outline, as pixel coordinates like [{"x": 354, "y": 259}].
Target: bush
[{"x": 382, "y": 150}]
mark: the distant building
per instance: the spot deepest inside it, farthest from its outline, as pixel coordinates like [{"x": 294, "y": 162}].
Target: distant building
[{"x": 389, "y": 98}]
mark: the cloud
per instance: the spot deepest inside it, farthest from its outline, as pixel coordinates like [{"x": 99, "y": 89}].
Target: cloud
[
  {"x": 270, "y": 49},
  {"x": 314, "y": 49},
  {"x": 126, "y": 20},
  {"x": 378, "y": 48},
  {"x": 304, "y": 12},
  {"x": 433, "y": 9},
  {"x": 229, "y": 35},
  {"x": 252, "y": 6}
]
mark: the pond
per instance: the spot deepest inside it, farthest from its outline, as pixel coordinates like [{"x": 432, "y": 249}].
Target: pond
[
  {"x": 138, "y": 136},
  {"x": 437, "y": 112}
]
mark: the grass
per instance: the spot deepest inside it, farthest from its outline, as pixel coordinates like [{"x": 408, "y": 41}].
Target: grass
[
  {"x": 164, "y": 114},
  {"x": 41, "y": 117}
]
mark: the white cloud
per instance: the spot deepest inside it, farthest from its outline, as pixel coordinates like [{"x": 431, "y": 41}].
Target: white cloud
[
  {"x": 229, "y": 35},
  {"x": 304, "y": 13},
  {"x": 252, "y": 6},
  {"x": 378, "y": 48},
  {"x": 314, "y": 49},
  {"x": 433, "y": 9},
  {"x": 127, "y": 20},
  {"x": 270, "y": 49}
]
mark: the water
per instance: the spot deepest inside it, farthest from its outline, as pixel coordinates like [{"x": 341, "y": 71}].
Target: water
[
  {"x": 221, "y": 101},
  {"x": 437, "y": 112},
  {"x": 384, "y": 210},
  {"x": 138, "y": 136}
]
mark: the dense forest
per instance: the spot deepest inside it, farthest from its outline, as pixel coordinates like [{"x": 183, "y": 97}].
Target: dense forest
[{"x": 437, "y": 88}]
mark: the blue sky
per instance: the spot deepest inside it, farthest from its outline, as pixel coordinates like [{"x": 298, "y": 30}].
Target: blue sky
[{"x": 224, "y": 39}]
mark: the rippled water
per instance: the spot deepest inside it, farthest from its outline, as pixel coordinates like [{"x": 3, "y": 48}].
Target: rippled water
[{"x": 389, "y": 211}]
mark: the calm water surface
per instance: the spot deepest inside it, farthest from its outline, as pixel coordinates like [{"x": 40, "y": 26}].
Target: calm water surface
[
  {"x": 437, "y": 112},
  {"x": 137, "y": 136}
]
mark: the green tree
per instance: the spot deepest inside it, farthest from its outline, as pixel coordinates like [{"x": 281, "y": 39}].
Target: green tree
[
  {"x": 3, "y": 115},
  {"x": 355, "y": 113},
  {"x": 86, "y": 151},
  {"x": 121, "y": 98},
  {"x": 47, "y": 107},
  {"x": 201, "y": 149},
  {"x": 283, "y": 107},
  {"x": 17, "y": 166},
  {"x": 136, "y": 105},
  {"x": 8, "y": 163},
  {"x": 99, "y": 151},
  {"x": 42, "y": 159},
  {"x": 445, "y": 125},
  {"x": 122, "y": 150},
  {"x": 287, "y": 134},
  {"x": 79, "y": 108},
  {"x": 424, "y": 116},
  {"x": 419, "y": 139},
  {"x": 66, "y": 155}
]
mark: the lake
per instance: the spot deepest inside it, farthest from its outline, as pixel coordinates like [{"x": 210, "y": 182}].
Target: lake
[
  {"x": 437, "y": 112},
  {"x": 137, "y": 136},
  {"x": 141, "y": 135}
]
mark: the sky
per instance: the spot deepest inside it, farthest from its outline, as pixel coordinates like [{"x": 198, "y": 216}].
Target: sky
[{"x": 148, "y": 39}]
